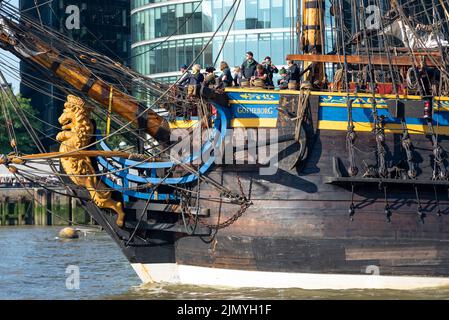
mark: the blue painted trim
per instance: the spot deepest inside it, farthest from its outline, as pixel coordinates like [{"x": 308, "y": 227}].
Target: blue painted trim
[
  {"x": 366, "y": 115},
  {"x": 125, "y": 176},
  {"x": 167, "y": 164},
  {"x": 136, "y": 194}
]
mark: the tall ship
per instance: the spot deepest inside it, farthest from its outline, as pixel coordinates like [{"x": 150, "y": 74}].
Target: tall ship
[{"x": 339, "y": 181}]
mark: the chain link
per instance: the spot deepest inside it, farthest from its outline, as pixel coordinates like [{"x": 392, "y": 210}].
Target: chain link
[{"x": 245, "y": 204}]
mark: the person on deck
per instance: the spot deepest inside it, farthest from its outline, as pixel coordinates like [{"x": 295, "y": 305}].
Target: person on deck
[
  {"x": 429, "y": 79},
  {"x": 249, "y": 66},
  {"x": 237, "y": 76},
  {"x": 196, "y": 78},
  {"x": 293, "y": 72},
  {"x": 225, "y": 80},
  {"x": 270, "y": 69},
  {"x": 282, "y": 82},
  {"x": 184, "y": 80},
  {"x": 210, "y": 80},
  {"x": 261, "y": 74}
]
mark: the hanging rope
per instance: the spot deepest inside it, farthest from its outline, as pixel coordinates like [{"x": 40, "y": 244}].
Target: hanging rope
[{"x": 378, "y": 130}]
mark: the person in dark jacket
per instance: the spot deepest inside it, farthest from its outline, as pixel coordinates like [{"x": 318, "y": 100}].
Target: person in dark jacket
[
  {"x": 261, "y": 74},
  {"x": 196, "y": 77},
  {"x": 293, "y": 72},
  {"x": 210, "y": 79},
  {"x": 249, "y": 66},
  {"x": 271, "y": 70},
  {"x": 282, "y": 82},
  {"x": 184, "y": 80},
  {"x": 225, "y": 80}
]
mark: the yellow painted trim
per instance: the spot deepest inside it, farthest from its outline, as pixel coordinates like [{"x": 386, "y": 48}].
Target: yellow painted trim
[
  {"x": 254, "y": 123},
  {"x": 356, "y": 105},
  {"x": 253, "y": 102},
  {"x": 389, "y": 128},
  {"x": 181, "y": 124},
  {"x": 442, "y": 98},
  {"x": 364, "y": 95},
  {"x": 337, "y": 94},
  {"x": 248, "y": 90}
]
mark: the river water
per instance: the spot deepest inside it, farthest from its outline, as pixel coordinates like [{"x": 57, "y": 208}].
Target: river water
[{"x": 35, "y": 264}]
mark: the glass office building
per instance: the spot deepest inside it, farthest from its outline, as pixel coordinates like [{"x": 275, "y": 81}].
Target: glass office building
[{"x": 167, "y": 34}]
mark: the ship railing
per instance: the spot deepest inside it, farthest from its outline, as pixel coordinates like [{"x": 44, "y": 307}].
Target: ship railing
[{"x": 126, "y": 175}]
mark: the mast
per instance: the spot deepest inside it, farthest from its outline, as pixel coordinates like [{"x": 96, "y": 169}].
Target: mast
[
  {"x": 312, "y": 38},
  {"x": 81, "y": 78}
]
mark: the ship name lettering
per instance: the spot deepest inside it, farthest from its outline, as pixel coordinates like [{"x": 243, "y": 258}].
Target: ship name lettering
[{"x": 256, "y": 111}]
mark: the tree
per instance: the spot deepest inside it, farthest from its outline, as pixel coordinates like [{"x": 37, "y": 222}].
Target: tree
[{"x": 24, "y": 142}]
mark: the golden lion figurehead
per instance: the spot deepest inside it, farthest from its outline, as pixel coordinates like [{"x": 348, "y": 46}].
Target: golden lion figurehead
[
  {"x": 74, "y": 106},
  {"x": 74, "y": 101},
  {"x": 77, "y": 130}
]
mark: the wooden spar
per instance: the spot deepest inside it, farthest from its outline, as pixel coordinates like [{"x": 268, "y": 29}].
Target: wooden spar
[
  {"x": 312, "y": 39},
  {"x": 312, "y": 35},
  {"x": 74, "y": 154},
  {"x": 81, "y": 78},
  {"x": 355, "y": 59}
]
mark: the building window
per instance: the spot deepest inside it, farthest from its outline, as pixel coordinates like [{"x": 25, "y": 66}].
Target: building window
[
  {"x": 160, "y": 22},
  {"x": 171, "y": 54}
]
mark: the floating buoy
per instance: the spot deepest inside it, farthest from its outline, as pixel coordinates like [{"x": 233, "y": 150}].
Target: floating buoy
[{"x": 68, "y": 233}]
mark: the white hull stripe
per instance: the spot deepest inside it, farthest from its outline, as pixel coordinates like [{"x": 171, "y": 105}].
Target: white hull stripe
[{"x": 191, "y": 275}]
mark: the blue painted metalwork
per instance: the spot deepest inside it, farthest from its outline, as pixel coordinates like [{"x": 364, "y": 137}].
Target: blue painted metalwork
[{"x": 122, "y": 170}]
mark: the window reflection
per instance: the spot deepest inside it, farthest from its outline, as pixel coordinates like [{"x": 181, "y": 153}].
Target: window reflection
[
  {"x": 169, "y": 56},
  {"x": 163, "y": 21},
  {"x": 173, "y": 18}
]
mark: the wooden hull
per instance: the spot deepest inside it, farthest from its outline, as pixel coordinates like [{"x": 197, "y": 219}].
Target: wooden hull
[{"x": 299, "y": 223}]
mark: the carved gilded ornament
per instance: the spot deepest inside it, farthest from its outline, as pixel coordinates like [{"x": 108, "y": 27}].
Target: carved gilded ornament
[{"x": 77, "y": 132}]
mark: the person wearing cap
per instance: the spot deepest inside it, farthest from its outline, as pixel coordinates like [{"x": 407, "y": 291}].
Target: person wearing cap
[
  {"x": 185, "y": 74},
  {"x": 210, "y": 78},
  {"x": 270, "y": 70},
  {"x": 249, "y": 66},
  {"x": 282, "y": 82}
]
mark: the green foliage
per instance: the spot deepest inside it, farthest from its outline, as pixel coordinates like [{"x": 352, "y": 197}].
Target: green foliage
[
  {"x": 114, "y": 141},
  {"x": 24, "y": 142}
]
